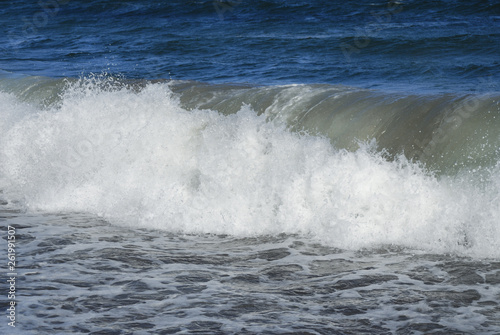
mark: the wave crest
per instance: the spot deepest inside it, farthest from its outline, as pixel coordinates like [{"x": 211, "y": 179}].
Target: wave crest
[{"x": 141, "y": 157}]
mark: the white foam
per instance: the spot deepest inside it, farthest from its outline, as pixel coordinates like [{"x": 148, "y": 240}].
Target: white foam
[{"x": 138, "y": 158}]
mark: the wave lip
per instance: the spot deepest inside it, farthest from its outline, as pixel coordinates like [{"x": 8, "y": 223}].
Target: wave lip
[{"x": 195, "y": 158}]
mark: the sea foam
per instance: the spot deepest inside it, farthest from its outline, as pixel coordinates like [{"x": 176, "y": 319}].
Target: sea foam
[{"x": 136, "y": 157}]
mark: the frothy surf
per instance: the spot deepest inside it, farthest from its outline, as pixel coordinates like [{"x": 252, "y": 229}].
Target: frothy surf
[{"x": 152, "y": 155}]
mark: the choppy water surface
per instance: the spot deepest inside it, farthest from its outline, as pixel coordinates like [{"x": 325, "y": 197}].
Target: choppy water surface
[
  {"x": 79, "y": 274},
  {"x": 443, "y": 46}
]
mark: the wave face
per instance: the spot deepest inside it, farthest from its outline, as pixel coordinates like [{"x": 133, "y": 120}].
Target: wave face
[
  {"x": 339, "y": 164},
  {"x": 446, "y": 132}
]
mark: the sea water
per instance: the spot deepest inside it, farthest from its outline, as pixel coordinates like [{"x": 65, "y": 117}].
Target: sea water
[{"x": 264, "y": 167}]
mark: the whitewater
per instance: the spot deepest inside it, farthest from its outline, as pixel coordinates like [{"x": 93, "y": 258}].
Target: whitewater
[
  {"x": 262, "y": 167},
  {"x": 184, "y": 207},
  {"x": 137, "y": 157}
]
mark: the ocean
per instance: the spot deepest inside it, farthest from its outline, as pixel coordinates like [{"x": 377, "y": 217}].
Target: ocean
[{"x": 250, "y": 167}]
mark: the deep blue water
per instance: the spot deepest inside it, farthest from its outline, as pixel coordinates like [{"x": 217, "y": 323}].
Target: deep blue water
[{"x": 439, "y": 46}]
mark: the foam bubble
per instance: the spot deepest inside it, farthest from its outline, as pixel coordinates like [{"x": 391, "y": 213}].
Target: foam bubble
[{"x": 138, "y": 158}]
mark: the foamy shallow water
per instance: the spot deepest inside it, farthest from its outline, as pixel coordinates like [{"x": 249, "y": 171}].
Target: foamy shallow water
[{"x": 79, "y": 274}]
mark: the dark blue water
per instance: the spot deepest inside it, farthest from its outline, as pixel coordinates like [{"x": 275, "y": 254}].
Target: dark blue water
[{"x": 450, "y": 46}]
